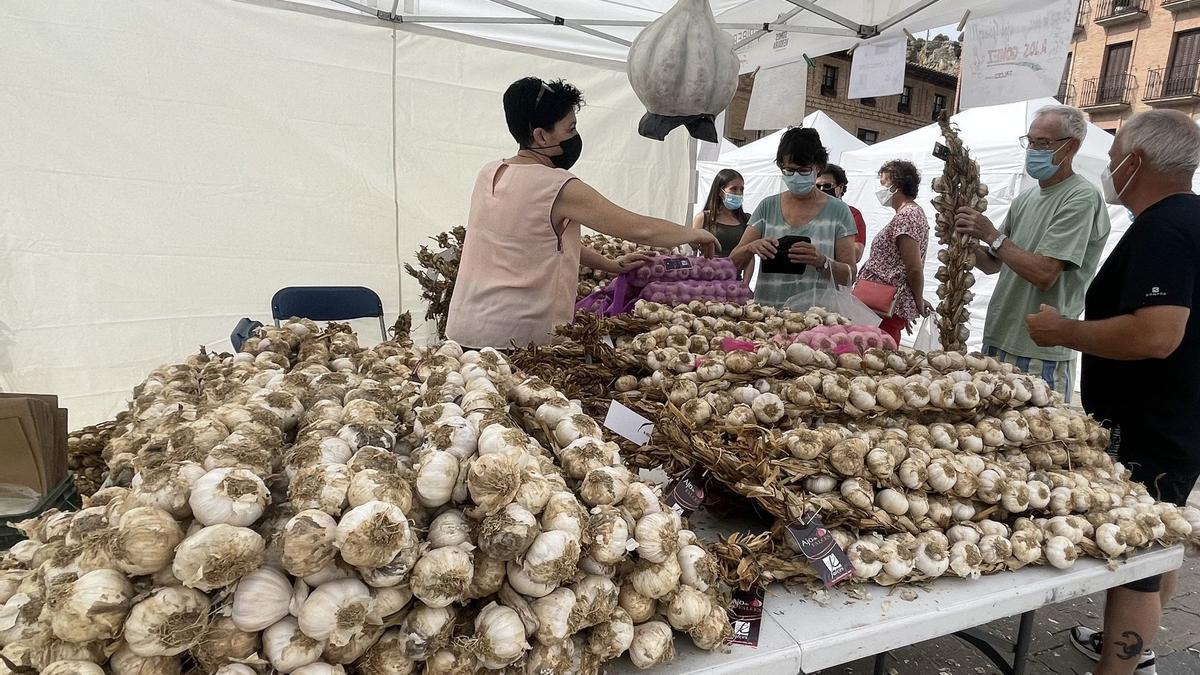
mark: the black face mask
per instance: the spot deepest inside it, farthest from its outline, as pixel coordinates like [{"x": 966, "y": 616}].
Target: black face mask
[
  {"x": 571, "y": 149},
  {"x": 828, "y": 189}
]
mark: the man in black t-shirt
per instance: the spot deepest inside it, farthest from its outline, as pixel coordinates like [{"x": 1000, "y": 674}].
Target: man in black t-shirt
[{"x": 1141, "y": 353}]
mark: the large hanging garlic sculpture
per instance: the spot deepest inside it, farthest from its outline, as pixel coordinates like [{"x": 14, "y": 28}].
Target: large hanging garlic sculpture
[
  {"x": 683, "y": 69},
  {"x": 958, "y": 186}
]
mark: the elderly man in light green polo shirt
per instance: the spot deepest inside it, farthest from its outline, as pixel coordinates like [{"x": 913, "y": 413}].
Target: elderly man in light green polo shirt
[{"x": 1046, "y": 251}]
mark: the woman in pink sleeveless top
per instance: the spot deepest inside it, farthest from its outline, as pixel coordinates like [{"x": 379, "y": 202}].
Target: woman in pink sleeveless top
[{"x": 520, "y": 262}]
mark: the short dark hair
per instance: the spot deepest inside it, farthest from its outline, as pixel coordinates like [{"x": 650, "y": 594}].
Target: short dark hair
[
  {"x": 802, "y": 145},
  {"x": 904, "y": 175},
  {"x": 530, "y": 103},
  {"x": 839, "y": 175}
]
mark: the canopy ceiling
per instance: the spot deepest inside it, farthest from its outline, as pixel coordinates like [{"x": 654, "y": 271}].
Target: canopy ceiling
[{"x": 602, "y": 29}]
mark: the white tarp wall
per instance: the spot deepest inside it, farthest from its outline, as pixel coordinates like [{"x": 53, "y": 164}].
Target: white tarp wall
[
  {"x": 990, "y": 135},
  {"x": 756, "y": 161},
  {"x": 164, "y": 168}
]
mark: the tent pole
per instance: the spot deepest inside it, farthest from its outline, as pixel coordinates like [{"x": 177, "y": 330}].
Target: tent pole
[
  {"x": 693, "y": 151},
  {"x": 787, "y": 16},
  {"x": 829, "y": 14},
  {"x": 906, "y": 13},
  {"x": 559, "y": 21},
  {"x": 357, "y": 6}
]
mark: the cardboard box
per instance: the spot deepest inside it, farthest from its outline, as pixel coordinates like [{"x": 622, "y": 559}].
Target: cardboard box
[{"x": 33, "y": 441}]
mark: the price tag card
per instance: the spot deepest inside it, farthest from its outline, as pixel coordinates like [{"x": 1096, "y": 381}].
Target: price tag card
[
  {"x": 677, "y": 263},
  {"x": 627, "y": 424},
  {"x": 607, "y": 339},
  {"x": 745, "y": 615},
  {"x": 809, "y": 538},
  {"x": 686, "y": 495}
]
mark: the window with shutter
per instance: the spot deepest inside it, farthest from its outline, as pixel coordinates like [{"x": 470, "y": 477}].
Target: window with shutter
[
  {"x": 1115, "y": 75},
  {"x": 1185, "y": 57}
]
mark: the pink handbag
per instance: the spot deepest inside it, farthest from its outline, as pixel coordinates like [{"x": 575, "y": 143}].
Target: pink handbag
[{"x": 881, "y": 298}]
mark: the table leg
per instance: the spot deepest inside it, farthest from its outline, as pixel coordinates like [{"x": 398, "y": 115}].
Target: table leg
[
  {"x": 880, "y": 663},
  {"x": 1024, "y": 641}
]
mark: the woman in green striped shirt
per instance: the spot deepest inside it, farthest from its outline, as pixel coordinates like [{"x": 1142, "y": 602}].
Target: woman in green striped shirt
[{"x": 800, "y": 211}]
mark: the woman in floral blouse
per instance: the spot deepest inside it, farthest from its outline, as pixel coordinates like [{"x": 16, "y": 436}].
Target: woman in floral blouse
[{"x": 898, "y": 251}]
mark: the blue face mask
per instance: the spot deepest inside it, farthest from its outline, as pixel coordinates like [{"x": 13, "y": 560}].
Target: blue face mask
[
  {"x": 1039, "y": 164},
  {"x": 800, "y": 184},
  {"x": 732, "y": 202}
]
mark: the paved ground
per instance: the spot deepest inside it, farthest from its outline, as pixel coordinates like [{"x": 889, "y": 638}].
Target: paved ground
[{"x": 1177, "y": 644}]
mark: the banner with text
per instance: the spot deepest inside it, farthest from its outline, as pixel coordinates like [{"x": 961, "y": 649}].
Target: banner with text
[{"x": 1016, "y": 56}]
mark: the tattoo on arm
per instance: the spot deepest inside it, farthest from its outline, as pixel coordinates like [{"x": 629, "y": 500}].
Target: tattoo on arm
[{"x": 1131, "y": 647}]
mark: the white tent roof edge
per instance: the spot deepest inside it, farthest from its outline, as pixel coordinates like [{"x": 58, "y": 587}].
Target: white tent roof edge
[{"x": 367, "y": 15}]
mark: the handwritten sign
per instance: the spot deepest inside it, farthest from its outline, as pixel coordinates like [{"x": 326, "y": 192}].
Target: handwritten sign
[
  {"x": 1016, "y": 56},
  {"x": 878, "y": 68}
]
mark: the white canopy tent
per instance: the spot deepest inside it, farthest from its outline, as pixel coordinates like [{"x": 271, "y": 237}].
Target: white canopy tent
[
  {"x": 990, "y": 134},
  {"x": 168, "y": 166},
  {"x": 756, "y": 161}
]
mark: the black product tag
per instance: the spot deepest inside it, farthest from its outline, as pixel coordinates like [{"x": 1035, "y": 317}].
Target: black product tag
[
  {"x": 941, "y": 152},
  {"x": 677, "y": 263},
  {"x": 745, "y": 615},
  {"x": 810, "y": 539},
  {"x": 686, "y": 495}
]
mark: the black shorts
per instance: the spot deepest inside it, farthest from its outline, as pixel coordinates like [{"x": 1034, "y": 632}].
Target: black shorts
[{"x": 1163, "y": 482}]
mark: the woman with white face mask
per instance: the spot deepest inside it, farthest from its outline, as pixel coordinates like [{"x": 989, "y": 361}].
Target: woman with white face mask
[
  {"x": 897, "y": 256},
  {"x": 800, "y": 211},
  {"x": 723, "y": 214}
]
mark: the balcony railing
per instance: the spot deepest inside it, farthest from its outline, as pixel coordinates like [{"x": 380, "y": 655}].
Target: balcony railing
[
  {"x": 1085, "y": 13},
  {"x": 1179, "y": 5},
  {"x": 1112, "y": 12},
  {"x": 1066, "y": 94},
  {"x": 937, "y": 112},
  {"x": 1178, "y": 84},
  {"x": 1110, "y": 92}
]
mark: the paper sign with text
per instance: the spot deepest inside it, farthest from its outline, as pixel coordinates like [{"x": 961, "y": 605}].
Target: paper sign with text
[
  {"x": 1016, "y": 56},
  {"x": 878, "y": 68},
  {"x": 777, "y": 100},
  {"x": 628, "y": 424}
]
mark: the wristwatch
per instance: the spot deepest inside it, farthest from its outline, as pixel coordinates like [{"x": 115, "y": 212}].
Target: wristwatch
[{"x": 994, "y": 247}]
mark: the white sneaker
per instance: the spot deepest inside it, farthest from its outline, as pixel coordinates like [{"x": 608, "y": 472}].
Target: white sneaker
[{"x": 1090, "y": 643}]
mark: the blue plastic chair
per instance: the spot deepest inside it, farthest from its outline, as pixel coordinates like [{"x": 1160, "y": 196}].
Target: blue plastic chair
[{"x": 328, "y": 303}]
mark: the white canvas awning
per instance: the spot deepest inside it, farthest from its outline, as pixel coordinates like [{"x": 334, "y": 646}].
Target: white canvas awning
[{"x": 766, "y": 32}]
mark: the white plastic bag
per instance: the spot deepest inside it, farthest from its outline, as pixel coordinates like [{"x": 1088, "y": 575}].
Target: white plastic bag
[
  {"x": 838, "y": 300},
  {"x": 927, "y": 338}
]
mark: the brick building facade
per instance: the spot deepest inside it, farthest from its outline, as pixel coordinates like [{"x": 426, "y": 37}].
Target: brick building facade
[
  {"x": 1133, "y": 55},
  {"x": 872, "y": 120}
]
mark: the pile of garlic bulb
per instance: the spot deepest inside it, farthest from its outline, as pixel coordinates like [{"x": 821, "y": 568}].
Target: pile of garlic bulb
[
  {"x": 923, "y": 463},
  {"x": 308, "y": 506},
  {"x": 592, "y": 280}
]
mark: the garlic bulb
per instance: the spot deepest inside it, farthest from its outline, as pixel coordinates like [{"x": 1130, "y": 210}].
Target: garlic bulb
[
  {"x": 125, "y": 662},
  {"x": 641, "y": 500},
  {"x": 500, "y": 636},
  {"x": 574, "y": 428},
  {"x": 995, "y": 548},
  {"x": 687, "y": 608},
  {"x": 1060, "y": 551},
  {"x": 521, "y": 582},
  {"x": 309, "y": 542},
  {"x": 93, "y": 608},
  {"x": 698, "y": 568},
  {"x": 167, "y": 487},
  {"x": 168, "y": 622},
  {"x": 1111, "y": 540},
  {"x": 217, "y": 556},
  {"x": 507, "y": 535},
  {"x": 442, "y": 576},
  {"x": 336, "y": 612},
  {"x": 372, "y": 535},
  {"x": 655, "y": 580},
  {"x": 605, "y": 485},
  {"x": 585, "y": 454},
  {"x": 657, "y": 536},
  {"x": 966, "y": 559},
  {"x": 144, "y": 541},
  {"x": 72, "y": 668},
  {"x": 596, "y": 597},
  {"x": 223, "y": 642},
  {"x": 933, "y": 554},
  {"x": 553, "y": 614},
  {"x": 610, "y": 639},
  {"x": 321, "y": 486},
  {"x": 560, "y": 657},
  {"x": 609, "y": 535},
  {"x": 425, "y": 630},
  {"x": 563, "y": 512},
  {"x": 493, "y": 481},
  {"x": 231, "y": 496},
  {"x": 287, "y": 648},
  {"x": 369, "y": 485},
  {"x": 436, "y": 476},
  {"x": 652, "y": 645},
  {"x": 552, "y": 557},
  {"x": 387, "y": 657},
  {"x": 450, "y": 528},
  {"x": 260, "y": 599}
]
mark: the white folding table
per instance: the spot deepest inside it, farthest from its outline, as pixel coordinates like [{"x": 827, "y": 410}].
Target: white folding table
[{"x": 798, "y": 634}]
